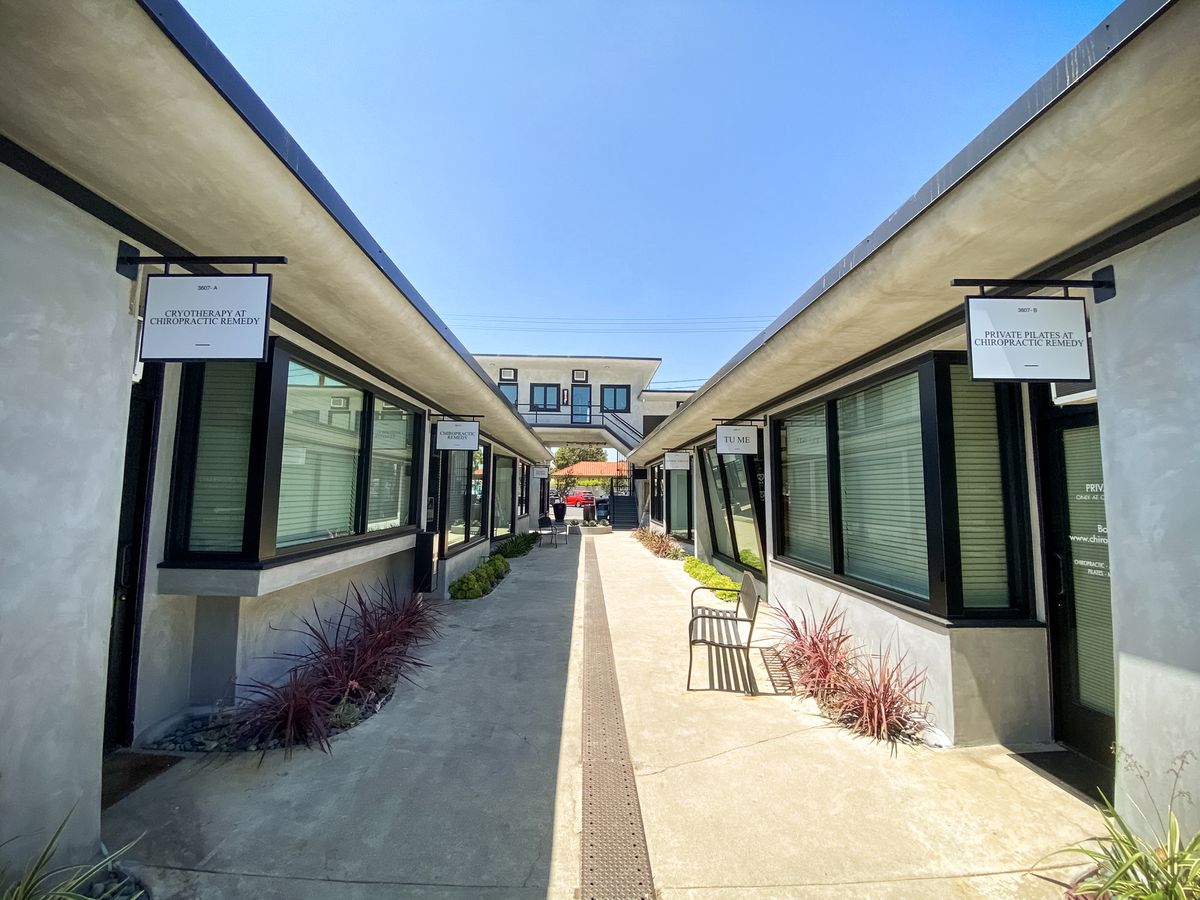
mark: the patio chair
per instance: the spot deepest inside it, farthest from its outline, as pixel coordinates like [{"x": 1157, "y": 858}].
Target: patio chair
[
  {"x": 546, "y": 525},
  {"x": 727, "y": 628}
]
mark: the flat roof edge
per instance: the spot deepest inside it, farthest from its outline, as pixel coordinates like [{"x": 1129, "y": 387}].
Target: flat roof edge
[
  {"x": 204, "y": 55},
  {"x": 1117, "y": 28}
]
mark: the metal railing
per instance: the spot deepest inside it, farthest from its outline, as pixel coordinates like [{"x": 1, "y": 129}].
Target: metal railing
[{"x": 579, "y": 416}]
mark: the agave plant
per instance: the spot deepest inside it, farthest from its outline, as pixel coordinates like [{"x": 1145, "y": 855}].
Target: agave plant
[{"x": 41, "y": 882}]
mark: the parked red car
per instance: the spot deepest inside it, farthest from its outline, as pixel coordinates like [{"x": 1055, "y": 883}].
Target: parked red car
[{"x": 578, "y": 497}]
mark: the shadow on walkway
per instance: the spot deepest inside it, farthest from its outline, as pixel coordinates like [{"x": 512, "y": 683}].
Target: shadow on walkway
[{"x": 449, "y": 791}]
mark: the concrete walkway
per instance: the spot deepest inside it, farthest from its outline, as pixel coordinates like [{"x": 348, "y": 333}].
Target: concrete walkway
[{"x": 469, "y": 785}]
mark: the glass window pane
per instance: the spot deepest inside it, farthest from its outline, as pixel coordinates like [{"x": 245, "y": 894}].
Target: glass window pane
[
  {"x": 322, "y": 434},
  {"x": 510, "y": 392},
  {"x": 678, "y": 520},
  {"x": 883, "y": 486},
  {"x": 804, "y": 485},
  {"x": 222, "y": 457},
  {"x": 980, "y": 491},
  {"x": 476, "y": 500},
  {"x": 502, "y": 496},
  {"x": 741, "y": 506},
  {"x": 458, "y": 495},
  {"x": 714, "y": 479},
  {"x": 394, "y": 434}
]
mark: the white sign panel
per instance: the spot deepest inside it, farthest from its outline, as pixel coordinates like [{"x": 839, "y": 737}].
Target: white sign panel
[
  {"x": 741, "y": 439},
  {"x": 541, "y": 471},
  {"x": 195, "y": 317},
  {"x": 1034, "y": 339},
  {"x": 677, "y": 460},
  {"x": 457, "y": 435}
]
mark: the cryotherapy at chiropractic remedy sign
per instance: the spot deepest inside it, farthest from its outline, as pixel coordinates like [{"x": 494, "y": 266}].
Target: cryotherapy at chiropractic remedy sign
[
  {"x": 1028, "y": 339},
  {"x": 198, "y": 317},
  {"x": 457, "y": 435}
]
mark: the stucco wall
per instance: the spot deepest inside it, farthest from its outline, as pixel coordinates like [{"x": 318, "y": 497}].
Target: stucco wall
[
  {"x": 1147, "y": 352},
  {"x": 66, "y": 354}
]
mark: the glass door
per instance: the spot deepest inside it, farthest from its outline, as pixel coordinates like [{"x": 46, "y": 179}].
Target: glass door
[
  {"x": 581, "y": 404},
  {"x": 1078, "y": 594}
]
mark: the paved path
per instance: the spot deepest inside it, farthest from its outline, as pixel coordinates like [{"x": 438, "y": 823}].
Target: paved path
[{"x": 470, "y": 785}]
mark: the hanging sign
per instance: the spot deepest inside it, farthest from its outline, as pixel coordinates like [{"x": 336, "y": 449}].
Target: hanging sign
[
  {"x": 740, "y": 439},
  {"x": 677, "y": 460},
  {"x": 541, "y": 471},
  {"x": 200, "y": 317},
  {"x": 1028, "y": 339},
  {"x": 457, "y": 435}
]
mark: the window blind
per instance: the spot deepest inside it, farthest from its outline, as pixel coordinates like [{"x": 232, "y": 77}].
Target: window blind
[
  {"x": 389, "y": 504},
  {"x": 804, "y": 470},
  {"x": 883, "y": 486},
  {"x": 502, "y": 496},
  {"x": 980, "y": 484},
  {"x": 1087, "y": 528},
  {"x": 722, "y": 541},
  {"x": 222, "y": 457},
  {"x": 321, "y": 440}
]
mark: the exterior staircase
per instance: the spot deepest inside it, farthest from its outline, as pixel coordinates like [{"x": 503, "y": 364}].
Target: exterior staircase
[{"x": 624, "y": 512}]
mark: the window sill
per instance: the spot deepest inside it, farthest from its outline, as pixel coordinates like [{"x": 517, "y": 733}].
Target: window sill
[{"x": 258, "y": 580}]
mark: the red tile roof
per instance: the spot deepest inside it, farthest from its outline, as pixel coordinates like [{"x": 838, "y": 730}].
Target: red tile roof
[{"x": 594, "y": 470}]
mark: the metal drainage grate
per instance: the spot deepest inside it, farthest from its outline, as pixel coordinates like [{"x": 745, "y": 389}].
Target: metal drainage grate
[{"x": 616, "y": 863}]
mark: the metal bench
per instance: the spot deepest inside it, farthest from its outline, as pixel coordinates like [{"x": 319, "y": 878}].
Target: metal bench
[{"x": 728, "y": 628}]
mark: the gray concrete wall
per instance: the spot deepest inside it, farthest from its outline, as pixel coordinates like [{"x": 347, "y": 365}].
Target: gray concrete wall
[
  {"x": 1147, "y": 352},
  {"x": 66, "y": 354}
]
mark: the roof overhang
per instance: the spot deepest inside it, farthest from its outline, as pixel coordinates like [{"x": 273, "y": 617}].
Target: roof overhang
[
  {"x": 136, "y": 104},
  {"x": 1109, "y": 134}
]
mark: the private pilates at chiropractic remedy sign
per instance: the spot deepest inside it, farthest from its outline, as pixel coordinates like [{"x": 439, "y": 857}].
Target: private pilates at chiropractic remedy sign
[
  {"x": 199, "y": 317},
  {"x": 1028, "y": 339}
]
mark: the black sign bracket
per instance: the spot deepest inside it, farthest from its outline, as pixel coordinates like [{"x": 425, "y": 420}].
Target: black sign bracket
[
  {"x": 1102, "y": 284},
  {"x": 129, "y": 259}
]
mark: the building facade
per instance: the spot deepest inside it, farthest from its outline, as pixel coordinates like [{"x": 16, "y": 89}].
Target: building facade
[
  {"x": 167, "y": 522},
  {"x": 1030, "y": 545}
]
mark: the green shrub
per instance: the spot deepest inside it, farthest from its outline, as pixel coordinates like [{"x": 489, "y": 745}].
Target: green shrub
[
  {"x": 708, "y": 575},
  {"x": 517, "y": 545},
  {"x": 480, "y": 580}
]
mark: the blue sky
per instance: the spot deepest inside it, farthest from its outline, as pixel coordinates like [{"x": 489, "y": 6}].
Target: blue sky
[{"x": 553, "y": 175}]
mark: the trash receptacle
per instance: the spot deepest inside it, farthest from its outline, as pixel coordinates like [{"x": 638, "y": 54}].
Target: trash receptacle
[
  {"x": 589, "y": 512},
  {"x": 601, "y": 507}
]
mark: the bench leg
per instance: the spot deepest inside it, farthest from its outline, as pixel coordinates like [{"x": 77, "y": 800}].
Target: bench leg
[
  {"x": 691, "y": 648},
  {"x": 749, "y": 690}
]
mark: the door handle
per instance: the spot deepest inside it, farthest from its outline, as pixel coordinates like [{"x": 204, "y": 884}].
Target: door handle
[
  {"x": 126, "y": 555},
  {"x": 1060, "y": 571}
]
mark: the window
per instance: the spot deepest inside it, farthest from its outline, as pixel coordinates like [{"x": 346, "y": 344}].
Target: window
[
  {"x": 679, "y": 503},
  {"x": 502, "y": 496},
  {"x": 656, "y": 493},
  {"x": 804, "y": 488},
  {"x": 218, "y": 513},
  {"x": 523, "y": 489},
  {"x": 393, "y": 475},
  {"x": 614, "y": 398},
  {"x": 322, "y": 439},
  {"x": 329, "y": 461},
  {"x": 464, "y": 495},
  {"x": 914, "y": 486},
  {"x": 509, "y": 390},
  {"x": 544, "y": 397},
  {"x": 579, "y": 375},
  {"x": 741, "y": 485},
  {"x": 714, "y": 488},
  {"x": 508, "y": 374}
]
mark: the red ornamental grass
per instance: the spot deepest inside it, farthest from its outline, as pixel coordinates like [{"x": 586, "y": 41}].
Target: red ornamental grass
[
  {"x": 878, "y": 698},
  {"x": 817, "y": 652},
  {"x": 292, "y": 713}
]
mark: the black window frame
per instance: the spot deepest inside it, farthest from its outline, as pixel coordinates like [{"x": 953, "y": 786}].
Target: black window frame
[
  {"x": 940, "y": 489},
  {"x": 557, "y": 407},
  {"x": 505, "y": 377},
  {"x": 523, "y": 479},
  {"x": 485, "y": 530},
  {"x": 616, "y": 409},
  {"x": 579, "y": 376},
  {"x": 264, "y": 466},
  {"x": 658, "y": 493},
  {"x": 755, "y": 465},
  {"x": 497, "y": 458},
  {"x": 691, "y": 514}
]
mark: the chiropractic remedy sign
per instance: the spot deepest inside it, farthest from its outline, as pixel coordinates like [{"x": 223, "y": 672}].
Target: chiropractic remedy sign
[
  {"x": 201, "y": 317},
  {"x": 675, "y": 459},
  {"x": 1028, "y": 339},
  {"x": 457, "y": 435}
]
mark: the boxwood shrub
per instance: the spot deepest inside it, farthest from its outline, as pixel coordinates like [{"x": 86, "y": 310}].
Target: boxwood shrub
[{"x": 480, "y": 580}]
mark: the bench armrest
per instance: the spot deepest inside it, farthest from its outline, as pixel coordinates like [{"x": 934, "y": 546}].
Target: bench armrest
[{"x": 704, "y": 587}]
